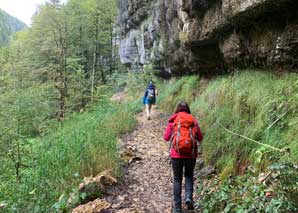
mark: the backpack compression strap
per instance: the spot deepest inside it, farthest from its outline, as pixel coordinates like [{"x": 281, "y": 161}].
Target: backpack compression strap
[
  {"x": 171, "y": 143},
  {"x": 177, "y": 138},
  {"x": 178, "y": 135}
]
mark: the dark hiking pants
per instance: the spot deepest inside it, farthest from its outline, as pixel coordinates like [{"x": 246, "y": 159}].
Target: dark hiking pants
[{"x": 178, "y": 164}]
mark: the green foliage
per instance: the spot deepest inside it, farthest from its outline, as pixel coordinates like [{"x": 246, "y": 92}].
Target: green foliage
[
  {"x": 255, "y": 104},
  {"x": 174, "y": 91},
  {"x": 45, "y": 74},
  {"x": 25, "y": 105},
  {"x": 83, "y": 145},
  {"x": 247, "y": 194},
  {"x": 132, "y": 83},
  {"x": 50, "y": 72}
]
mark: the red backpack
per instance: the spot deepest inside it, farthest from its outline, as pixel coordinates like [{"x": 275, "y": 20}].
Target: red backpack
[{"x": 183, "y": 138}]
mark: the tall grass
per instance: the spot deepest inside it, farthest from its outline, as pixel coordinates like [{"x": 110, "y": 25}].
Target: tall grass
[
  {"x": 83, "y": 145},
  {"x": 255, "y": 104},
  {"x": 176, "y": 90}
]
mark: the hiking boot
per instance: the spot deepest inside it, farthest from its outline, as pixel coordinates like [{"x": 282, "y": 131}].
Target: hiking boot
[
  {"x": 189, "y": 204},
  {"x": 177, "y": 210}
]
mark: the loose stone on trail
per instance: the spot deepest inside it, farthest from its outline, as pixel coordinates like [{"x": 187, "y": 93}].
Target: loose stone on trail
[{"x": 146, "y": 186}]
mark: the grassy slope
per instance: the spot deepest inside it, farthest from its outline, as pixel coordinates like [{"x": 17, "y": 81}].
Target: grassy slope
[
  {"x": 247, "y": 103},
  {"x": 83, "y": 145},
  {"x": 255, "y": 104}
]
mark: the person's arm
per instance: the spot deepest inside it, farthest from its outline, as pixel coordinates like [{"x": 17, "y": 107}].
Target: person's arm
[
  {"x": 199, "y": 134},
  {"x": 168, "y": 132},
  {"x": 146, "y": 93},
  {"x": 145, "y": 96}
]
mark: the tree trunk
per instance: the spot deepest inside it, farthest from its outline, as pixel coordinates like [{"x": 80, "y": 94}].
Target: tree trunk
[
  {"x": 61, "y": 44},
  {"x": 18, "y": 162},
  {"x": 103, "y": 77},
  {"x": 111, "y": 59},
  {"x": 95, "y": 56},
  {"x": 93, "y": 74}
]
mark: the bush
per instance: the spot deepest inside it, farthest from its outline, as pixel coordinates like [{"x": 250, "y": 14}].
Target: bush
[
  {"x": 279, "y": 193},
  {"x": 175, "y": 90},
  {"x": 255, "y": 104},
  {"x": 83, "y": 145}
]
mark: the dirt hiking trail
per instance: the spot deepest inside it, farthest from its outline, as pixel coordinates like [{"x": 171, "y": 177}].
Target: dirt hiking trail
[
  {"x": 147, "y": 183},
  {"x": 147, "y": 179}
]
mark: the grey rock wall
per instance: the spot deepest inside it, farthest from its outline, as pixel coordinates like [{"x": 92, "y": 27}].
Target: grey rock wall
[
  {"x": 209, "y": 36},
  {"x": 140, "y": 25}
]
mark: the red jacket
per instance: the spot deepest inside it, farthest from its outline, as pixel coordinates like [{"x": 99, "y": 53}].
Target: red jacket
[{"x": 169, "y": 131}]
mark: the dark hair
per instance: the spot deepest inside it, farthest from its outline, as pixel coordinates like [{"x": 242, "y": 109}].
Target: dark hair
[{"x": 182, "y": 106}]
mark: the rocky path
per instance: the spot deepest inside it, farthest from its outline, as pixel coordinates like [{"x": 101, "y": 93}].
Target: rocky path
[
  {"x": 147, "y": 185},
  {"x": 147, "y": 181}
]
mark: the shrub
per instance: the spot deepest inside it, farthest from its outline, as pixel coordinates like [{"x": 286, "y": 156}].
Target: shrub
[{"x": 83, "y": 145}]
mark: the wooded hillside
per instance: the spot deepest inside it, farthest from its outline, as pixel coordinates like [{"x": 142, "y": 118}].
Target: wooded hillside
[{"x": 8, "y": 26}]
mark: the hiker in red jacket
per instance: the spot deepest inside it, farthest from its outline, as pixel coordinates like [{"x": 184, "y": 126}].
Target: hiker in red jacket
[{"x": 184, "y": 134}]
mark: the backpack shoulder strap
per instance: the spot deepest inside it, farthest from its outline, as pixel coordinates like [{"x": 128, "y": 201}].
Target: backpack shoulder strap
[{"x": 178, "y": 133}]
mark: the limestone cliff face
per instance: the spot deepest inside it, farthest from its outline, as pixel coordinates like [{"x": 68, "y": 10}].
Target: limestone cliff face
[
  {"x": 206, "y": 36},
  {"x": 140, "y": 23}
]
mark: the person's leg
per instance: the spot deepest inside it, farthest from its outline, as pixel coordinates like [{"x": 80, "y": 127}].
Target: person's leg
[
  {"x": 148, "y": 110},
  {"x": 177, "y": 165},
  {"x": 189, "y": 181},
  {"x": 150, "y": 107}
]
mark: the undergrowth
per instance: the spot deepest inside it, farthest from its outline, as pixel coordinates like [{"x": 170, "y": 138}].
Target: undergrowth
[
  {"x": 176, "y": 90},
  {"x": 276, "y": 192},
  {"x": 83, "y": 145},
  {"x": 254, "y": 104}
]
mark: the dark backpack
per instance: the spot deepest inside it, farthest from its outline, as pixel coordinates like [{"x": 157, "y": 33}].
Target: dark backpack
[{"x": 151, "y": 94}]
